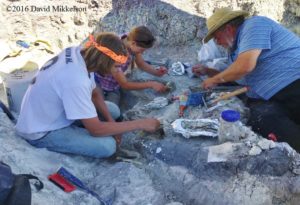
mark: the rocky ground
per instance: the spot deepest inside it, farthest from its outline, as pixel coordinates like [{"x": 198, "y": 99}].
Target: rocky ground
[{"x": 171, "y": 169}]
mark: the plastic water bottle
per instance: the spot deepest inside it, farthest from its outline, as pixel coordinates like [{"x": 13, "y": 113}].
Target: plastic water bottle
[{"x": 229, "y": 126}]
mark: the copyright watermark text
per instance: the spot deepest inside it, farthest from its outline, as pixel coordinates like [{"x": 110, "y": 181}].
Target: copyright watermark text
[{"x": 39, "y": 9}]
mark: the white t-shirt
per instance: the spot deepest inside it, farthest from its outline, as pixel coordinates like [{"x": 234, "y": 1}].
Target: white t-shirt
[{"x": 61, "y": 94}]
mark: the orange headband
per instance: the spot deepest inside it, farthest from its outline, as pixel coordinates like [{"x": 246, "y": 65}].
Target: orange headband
[{"x": 118, "y": 58}]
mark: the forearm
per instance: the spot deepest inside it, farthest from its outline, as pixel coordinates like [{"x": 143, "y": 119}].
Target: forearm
[
  {"x": 100, "y": 105},
  {"x": 210, "y": 72},
  {"x": 232, "y": 73},
  {"x": 114, "y": 128},
  {"x": 244, "y": 64},
  {"x": 135, "y": 85},
  {"x": 143, "y": 65},
  {"x": 200, "y": 70},
  {"x": 148, "y": 68}
]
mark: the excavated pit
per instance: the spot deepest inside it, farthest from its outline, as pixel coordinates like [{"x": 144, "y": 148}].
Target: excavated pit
[{"x": 179, "y": 167}]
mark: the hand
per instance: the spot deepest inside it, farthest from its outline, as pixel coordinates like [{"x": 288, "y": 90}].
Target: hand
[
  {"x": 150, "y": 125},
  {"x": 209, "y": 83},
  {"x": 161, "y": 71},
  {"x": 118, "y": 139},
  {"x": 199, "y": 70},
  {"x": 159, "y": 87}
]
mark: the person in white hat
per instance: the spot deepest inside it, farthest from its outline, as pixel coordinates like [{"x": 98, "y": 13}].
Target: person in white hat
[{"x": 264, "y": 56}]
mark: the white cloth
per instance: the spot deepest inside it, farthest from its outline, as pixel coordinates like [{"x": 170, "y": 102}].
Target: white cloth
[
  {"x": 61, "y": 94},
  {"x": 213, "y": 56},
  {"x": 210, "y": 51}
]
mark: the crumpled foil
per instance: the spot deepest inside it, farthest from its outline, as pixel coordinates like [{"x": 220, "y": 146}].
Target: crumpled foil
[{"x": 197, "y": 127}]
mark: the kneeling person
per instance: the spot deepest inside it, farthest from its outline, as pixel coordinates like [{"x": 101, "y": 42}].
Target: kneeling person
[
  {"x": 64, "y": 92},
  {"x": 136, "y": 42}
]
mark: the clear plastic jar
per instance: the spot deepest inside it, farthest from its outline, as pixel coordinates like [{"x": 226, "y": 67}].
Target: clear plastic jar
[{"x": 229, "y": 126}]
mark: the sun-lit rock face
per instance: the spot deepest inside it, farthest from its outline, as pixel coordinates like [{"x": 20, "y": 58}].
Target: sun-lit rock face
[
  {"x": 171, "y": 169},
  {"x": 174, "y": 22}
]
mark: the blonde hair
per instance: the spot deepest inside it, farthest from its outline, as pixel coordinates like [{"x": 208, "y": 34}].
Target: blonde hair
[{"x": 97, "y": 61}]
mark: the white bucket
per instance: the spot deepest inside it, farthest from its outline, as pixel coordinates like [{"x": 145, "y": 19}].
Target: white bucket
[{"x": 16, "y": 83}]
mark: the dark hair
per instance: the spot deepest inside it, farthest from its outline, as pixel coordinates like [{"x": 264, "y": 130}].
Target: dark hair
[
  {"x": 96, "y": 60},
  {"x": 142, "y": 36}
]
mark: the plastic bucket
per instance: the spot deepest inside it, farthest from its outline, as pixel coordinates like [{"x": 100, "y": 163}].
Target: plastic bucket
[{"x": 15, "y": 85}]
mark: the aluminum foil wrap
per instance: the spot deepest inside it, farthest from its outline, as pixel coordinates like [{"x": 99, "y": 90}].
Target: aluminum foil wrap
[{"x": 197, "y": 127}]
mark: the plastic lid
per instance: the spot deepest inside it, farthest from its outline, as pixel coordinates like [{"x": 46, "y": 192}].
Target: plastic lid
[{"x": 230, "y": 115}]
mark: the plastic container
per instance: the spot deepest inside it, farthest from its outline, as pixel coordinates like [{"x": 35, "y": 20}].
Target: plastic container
[
  {"x": 15, "y": 85},
  {"x": 229, "y": 126}
]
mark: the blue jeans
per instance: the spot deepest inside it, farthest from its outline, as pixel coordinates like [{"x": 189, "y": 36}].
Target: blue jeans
[
  {"x": 77, "y": 140},
  {"x": 113, "y": 96}
]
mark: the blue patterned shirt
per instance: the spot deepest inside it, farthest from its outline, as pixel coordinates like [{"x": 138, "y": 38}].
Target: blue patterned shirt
[{"x": 278, "y": 65}]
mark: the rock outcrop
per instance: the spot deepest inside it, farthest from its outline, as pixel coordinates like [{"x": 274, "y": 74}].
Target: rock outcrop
[
  {"x": 172, "y": 170},
  {"x": 174, "y": 22}
]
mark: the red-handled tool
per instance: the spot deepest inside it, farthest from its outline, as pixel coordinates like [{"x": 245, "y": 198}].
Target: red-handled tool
[{"x": 61, "y": 182}]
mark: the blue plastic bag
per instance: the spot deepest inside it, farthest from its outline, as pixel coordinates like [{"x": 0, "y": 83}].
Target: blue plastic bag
[{"x": 195, "y": 99}]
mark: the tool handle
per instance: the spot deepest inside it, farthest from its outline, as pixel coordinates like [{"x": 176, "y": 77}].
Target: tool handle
[{"x": 231, "y": 94}]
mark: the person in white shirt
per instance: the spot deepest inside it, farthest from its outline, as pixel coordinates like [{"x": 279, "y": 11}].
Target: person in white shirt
[{"x": 64, "y": 92}]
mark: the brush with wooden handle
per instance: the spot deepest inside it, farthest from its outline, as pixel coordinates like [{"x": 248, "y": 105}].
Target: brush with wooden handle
[{"x": 230, "y": 94}]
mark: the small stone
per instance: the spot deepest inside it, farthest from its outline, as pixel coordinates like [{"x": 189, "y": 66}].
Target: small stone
[
  {"x": 158, "y": 150},
  {"x": 255, "y": 151},
  {"x": 272, "y": 144},
  {"x": 296, "y": 171},
  {"x": 248, "y": 144},
  {"x": 78, "y": 20},
  {"x": 265, "y": 144}
]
